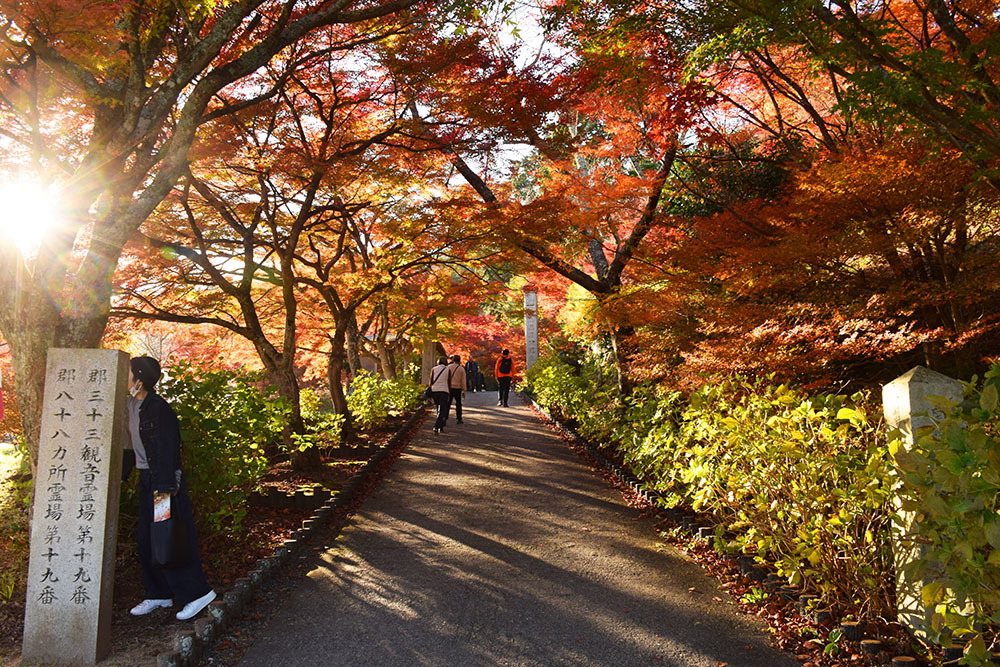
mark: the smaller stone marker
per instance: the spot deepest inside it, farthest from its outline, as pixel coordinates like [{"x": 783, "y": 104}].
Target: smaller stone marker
[
  {"x": 530, "y": 328},
  {"x": 67, "y": 616},
  {"x": 907, "y": 407}
]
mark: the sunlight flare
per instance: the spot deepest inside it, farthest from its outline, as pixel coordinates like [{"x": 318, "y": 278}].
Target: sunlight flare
[{"x": 27, "y": 211}]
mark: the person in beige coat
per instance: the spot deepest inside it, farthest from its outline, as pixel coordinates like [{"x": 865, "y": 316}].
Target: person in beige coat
[
  {"x": 457, "y": 385},
  {"x": 439, "y": 384}
]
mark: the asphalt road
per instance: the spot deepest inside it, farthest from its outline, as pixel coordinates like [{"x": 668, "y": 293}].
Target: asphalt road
[{"x": 493, "y": 544}]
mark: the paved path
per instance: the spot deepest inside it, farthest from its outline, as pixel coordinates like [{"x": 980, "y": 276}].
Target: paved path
[{"x": 493, "y": 544}]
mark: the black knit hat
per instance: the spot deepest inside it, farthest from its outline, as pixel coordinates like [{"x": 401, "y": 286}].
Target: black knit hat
[{"x": 146, "y": 370}]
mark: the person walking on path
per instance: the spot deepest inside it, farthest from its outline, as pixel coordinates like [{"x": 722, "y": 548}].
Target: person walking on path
[
  {"x": 441, "y": 388},
  {"x": 457, "y": 384},
  {"x": 472, "y": 375},
  {"x": 156, "y": 442},
  {"x": 504, "y": 373}
]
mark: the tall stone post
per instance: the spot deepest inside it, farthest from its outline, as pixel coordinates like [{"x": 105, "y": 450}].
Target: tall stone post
[
  {"x": 530, "y": 327},
  {"x": 71, "y": 567},
  {"x": 906, "y": 407},
  {"x": 427, "y": 354}
]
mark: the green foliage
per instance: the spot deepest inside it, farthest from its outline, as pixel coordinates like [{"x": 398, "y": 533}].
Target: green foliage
[
  {"x": 15, "y": 496},
  {"x": 755, "y": 595},
  {"x": 374, "y": 399},
  {"x": 951, "y": 490},
  {"x": 803, "y": 480},
  {"x": 742, "y": 172},
  {"x": 323, "y": 427},
  {"x": 583, "y": 391},
  {"x": 226, "y": 421},
  {"x": 557, "y": 386},
  {"x": 407, "y": 394},
  {"x": 833, "y": 642}
]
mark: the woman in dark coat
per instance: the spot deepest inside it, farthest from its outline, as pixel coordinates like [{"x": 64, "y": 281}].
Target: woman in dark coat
[{"x": 156, "y": 441}]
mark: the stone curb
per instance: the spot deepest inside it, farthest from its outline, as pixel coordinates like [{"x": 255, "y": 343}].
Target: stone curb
[
  {"x": 189, "y": 644},
  {"x": 694, "y": 524}
]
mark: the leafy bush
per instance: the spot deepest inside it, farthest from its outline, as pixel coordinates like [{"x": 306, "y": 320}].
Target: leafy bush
[
  {"x": 586, "y": 395},
  {"x": 323, "y": 427},
  {"x": 373, "y": 399},
  {"x": 15, "y": 497},
  {"x": 803, "y": 480},
  {"x": 406, "y": 394},
  {"x": 556, "y": 385},
  {"x": 10, "y": 424},
  {"x": 951, "y": 481},
  {"x": 226, "y": 421}
]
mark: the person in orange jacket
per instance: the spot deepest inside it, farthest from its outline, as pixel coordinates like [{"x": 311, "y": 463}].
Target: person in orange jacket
[{"x": 504, "y": 373}]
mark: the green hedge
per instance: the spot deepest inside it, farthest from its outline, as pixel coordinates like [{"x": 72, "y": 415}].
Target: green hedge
[
  {"x": 324, "y": 428},
  {"x": 373, "y": 399},
  {"x": 226, "y": 420},
  {"x": 803, "y": 481}
]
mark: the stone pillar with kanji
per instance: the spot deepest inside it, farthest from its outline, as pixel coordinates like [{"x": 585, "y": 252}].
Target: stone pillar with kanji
[
  {"x": 67, "y": 618},
  {"x": 530, "y": 327}
]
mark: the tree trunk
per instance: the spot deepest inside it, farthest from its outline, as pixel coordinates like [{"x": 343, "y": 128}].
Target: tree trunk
[
  {"x": 385, "y": 360},
  {"x": 621, "y": 340},
  {"x": 353, "y": 341},
  {"x": 28, "y": 348},
  {"x": 288, "y": 388},
  {"x": 334, "y": 376},
  {"x": 428, "y": 350},
  {"x": 390, "y": 354}
]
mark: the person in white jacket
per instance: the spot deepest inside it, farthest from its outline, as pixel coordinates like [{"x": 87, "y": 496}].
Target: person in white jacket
[
  {"x": 441, "y": 388},
  {"x": 458, "y": 385}
]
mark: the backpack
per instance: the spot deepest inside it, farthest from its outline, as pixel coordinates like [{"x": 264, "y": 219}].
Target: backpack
[{"x": 505, "y": 365}]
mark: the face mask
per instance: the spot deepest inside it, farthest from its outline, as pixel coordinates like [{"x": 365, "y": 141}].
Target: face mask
[{"x": 134, "y": 389}]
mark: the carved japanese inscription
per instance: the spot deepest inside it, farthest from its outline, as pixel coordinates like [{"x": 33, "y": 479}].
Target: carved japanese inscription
[{"x": 74, "y": 522}]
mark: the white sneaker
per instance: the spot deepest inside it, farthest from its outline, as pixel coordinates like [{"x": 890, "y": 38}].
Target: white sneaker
[
  {"x": 147, "y": 606},
  {"x": 192, "y": 608}
]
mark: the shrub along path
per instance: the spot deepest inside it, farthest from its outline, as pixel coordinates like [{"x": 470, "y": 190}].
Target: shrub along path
[{"x": 492, "y": 543}]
